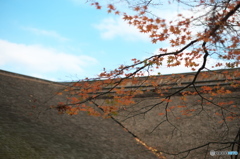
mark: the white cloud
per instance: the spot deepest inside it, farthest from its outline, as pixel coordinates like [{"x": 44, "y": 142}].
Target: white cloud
[
  {"x": 117, "y": 27},
  {"x": 48, "y": 33},
  {"x": 38, "y": 59},
  {"x": 113, "y": 27}
]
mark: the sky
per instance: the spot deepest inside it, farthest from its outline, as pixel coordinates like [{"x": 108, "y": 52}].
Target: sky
[{"x": 65, "y": 40}]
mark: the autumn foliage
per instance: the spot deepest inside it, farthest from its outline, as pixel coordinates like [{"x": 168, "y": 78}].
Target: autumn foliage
[
  {"x": 218, "y": 37},
  {"x": 194, "y": 39}
]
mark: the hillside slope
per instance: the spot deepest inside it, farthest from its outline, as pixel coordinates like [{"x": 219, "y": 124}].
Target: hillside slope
[{"x": 28, "y": 130}]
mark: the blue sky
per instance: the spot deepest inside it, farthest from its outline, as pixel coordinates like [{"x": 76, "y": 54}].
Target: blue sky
[{"x": 65, "y": 40}]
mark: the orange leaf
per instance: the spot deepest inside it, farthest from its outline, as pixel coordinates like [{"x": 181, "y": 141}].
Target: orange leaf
[
  {"x": 137, "y": 8},
  {"x": 111, "y": 7},
  {"x": 180, "y": 106},
  {"x": 59, "y": 93},
  {"x": 218, "y": 114},
  {"x": 172, "y": 107}
]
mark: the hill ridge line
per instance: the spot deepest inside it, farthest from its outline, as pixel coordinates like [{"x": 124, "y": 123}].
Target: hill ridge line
[{"x": 26, "y": 77}]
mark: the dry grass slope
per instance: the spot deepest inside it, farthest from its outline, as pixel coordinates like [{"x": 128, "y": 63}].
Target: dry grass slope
[{"x": 28, "y": 130}]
